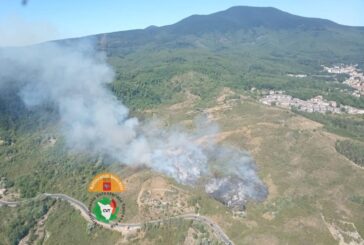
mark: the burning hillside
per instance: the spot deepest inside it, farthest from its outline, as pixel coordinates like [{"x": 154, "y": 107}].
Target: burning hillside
[{"x": 75, "y": 81}]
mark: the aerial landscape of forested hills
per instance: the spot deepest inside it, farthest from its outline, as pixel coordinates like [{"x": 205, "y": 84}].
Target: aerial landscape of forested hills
[
  {"x": 243, "y": 47},
  {"x": 219, "y": 66}
]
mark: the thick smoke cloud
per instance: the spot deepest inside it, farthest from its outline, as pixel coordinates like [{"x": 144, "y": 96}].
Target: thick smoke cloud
[{"x": 75, "y": 81}]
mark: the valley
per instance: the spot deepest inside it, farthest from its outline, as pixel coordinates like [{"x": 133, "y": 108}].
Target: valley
[{"x": 293, "y": 179}]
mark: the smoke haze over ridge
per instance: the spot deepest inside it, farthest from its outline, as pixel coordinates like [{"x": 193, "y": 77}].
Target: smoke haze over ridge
[{"x": 75, "y": 80}]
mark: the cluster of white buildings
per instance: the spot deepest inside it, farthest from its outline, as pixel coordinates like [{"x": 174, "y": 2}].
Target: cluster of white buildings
[
  {"x": 316, "y": 104},
  {"x": 297, "y": 75},
  {"x": 355, "y": 80},
  {"x": 337, "y": 69}
]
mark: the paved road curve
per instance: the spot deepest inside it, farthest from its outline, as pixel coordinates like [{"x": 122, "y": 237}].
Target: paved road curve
[{"x": 84, "y": 209}]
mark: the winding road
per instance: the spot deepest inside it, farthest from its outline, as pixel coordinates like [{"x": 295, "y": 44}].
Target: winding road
[{"x": 85, "y": 213}]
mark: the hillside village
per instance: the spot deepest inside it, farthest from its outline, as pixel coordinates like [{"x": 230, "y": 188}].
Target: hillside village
[
  {"x": 316, "y": 104},
  {"x": 355, "y": 80}
]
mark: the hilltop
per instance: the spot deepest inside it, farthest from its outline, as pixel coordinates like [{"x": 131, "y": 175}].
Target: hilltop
[{"x": 241, "y": 47}]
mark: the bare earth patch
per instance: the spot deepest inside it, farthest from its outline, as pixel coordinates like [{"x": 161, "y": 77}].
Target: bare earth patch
[
  {"x": 190, "y": 100},
  {"x": 344, "y": 232},
  {"x": 268, "y": 216},
  {"x": 301, "y": 123},
  {"x": 272, "y": 188},
  {"x": 159, "y": 199},
  {"x": 223, "y": 103}
]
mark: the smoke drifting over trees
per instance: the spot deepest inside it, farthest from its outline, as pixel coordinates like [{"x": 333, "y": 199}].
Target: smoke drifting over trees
[{"x": 75, "y": 79}]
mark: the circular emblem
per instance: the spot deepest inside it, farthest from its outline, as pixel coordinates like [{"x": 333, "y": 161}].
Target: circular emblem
[{"x": 107, "y": 208}]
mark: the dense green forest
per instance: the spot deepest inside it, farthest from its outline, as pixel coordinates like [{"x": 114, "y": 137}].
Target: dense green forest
[
  {"x": 21, "y": 223},
  {"x": 352, "y": 150},
  {"x": 347, "y": 126},
  {"x": 239, "y": 50},
  {"x": 144, "y": 76}
]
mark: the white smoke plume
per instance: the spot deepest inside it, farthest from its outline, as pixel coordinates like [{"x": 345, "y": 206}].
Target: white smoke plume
[{"x": 75, "y": 80}]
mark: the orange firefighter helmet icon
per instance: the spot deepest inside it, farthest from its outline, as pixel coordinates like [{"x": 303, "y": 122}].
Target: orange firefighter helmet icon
[{"x": 106, "y": 182}]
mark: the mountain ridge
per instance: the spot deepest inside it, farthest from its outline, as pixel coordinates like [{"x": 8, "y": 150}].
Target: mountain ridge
[
  {"x": 239, "y": 17},
  {"x": 232, "y": 19}
]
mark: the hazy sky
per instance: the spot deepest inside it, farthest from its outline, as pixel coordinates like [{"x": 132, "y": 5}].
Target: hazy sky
[{"x": 41, "y": 20}]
